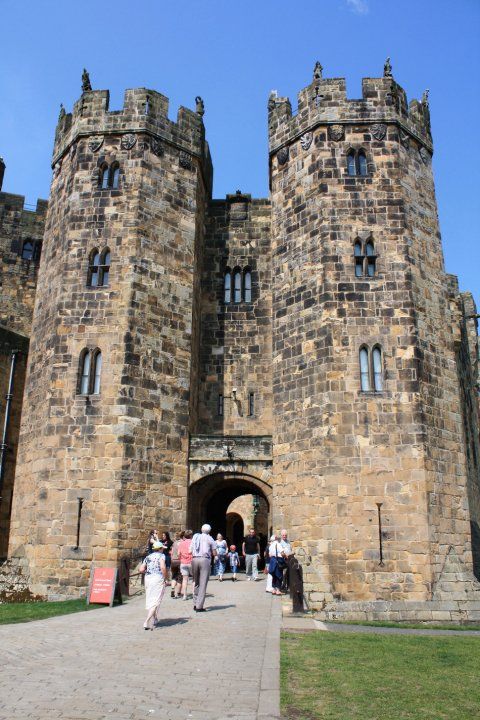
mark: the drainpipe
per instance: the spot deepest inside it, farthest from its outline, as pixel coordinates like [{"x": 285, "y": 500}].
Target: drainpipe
[{"x": 8, "y": 406}]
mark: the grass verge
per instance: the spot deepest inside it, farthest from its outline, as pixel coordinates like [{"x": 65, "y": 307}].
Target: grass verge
[
  {"x": 26, "y": 612},
  {"x": 407, "y": 625},
  {"x": 330, "y": 676}
]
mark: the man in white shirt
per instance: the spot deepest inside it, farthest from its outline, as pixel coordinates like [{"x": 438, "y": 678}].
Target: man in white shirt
[{"x": 203, "y": 548}]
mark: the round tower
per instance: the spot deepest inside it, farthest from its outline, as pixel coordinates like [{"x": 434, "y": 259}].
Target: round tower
[
  {"x": 369, "y": 457},
  {"x": 103, "y": 449}
]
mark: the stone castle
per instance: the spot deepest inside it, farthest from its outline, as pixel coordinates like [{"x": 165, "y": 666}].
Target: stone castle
[{"x": 175, "y": 352}]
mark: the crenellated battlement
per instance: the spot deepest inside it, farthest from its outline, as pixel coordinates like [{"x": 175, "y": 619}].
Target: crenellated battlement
[
  {"x": 324, "y": 102},
  {"x": 144, "y": 111}
]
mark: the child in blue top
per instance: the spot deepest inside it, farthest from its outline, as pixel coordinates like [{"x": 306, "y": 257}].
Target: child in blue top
[{"x": 234, "y": 561}]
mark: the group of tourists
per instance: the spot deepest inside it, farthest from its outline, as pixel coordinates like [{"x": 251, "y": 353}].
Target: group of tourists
[{"x": 191, "y": 555}]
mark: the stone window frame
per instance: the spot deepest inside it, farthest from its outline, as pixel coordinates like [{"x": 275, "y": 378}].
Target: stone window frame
[
  {"x": 109, "y": 175},
  {"x": 355, "y": 153},
  {"x": 237, "y": 285},
  {"x": 89, "y": 367},
  {"x": 375, "y": 381},
  {"x": 100, "y": 269},
  {"x": 35, "y": 251},
  {"x": 363, "y": 260}
]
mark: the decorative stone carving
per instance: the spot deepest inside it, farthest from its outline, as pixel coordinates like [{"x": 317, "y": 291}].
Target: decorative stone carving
[
  {"x": 200, "y": 106},
  {"x": 73, "y": 151},
  {"x": 317, "y": 71},
  {"x": 86, "y": 84},
  {"x": 57, "y": 168},
  {"x": 306, "y": 140},
  {"x": 185, "y": 160},
  {"x": 282, "y": 155},
  {"x": 336, "y": 132},
  {"x": 387, "y": 68},
  {"x": 379, "y": 130},
  {"x": 424, "y": 154},
  {"x": 95, "y": 144},
  {"x": 128, "y": 141},
  {"x": 404, "y": 139},
  {"x": 156, "y": 147}
]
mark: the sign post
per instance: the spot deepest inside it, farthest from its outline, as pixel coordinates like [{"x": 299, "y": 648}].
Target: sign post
[{"x": 103, "y": 583}]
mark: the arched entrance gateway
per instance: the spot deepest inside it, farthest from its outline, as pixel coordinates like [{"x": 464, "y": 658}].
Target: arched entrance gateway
[{"x": 210, "y": 498}]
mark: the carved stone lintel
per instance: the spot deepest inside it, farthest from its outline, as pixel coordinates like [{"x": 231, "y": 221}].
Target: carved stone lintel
[
  {"x": 185, "y": 160},
  {"x": 404, "y": 138},
  {"x": 95, "y": 143},
  {"x": 128, "y": 141},
  {"x": 424, "y": 154},
  {"x": 282, "y": 155},
  {"x": 306, "y": 140},
  {"x": 336, "y": 132},
  {"x": 379, "y": 130},
  {"x": 157, "y": 147}
]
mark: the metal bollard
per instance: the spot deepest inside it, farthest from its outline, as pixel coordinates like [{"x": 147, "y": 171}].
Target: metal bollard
[{"x": 296, "y": 584}]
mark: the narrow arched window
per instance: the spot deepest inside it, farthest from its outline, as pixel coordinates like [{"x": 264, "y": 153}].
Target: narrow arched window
[
  {"x": 377, "y": 369},
  {"x": 351, "y": 163},
  {"x": 364, "y": 370},
  {"x": 93, "y": 269},
  {"x": 371, "y": 259},
  {"x": 27, "y": 250},
  {"x": 237, "y": 286},
  {"x": 361, "y": 163},
  {"x": 104, "y": 267},
  {"x": 37, "y": 251},
  {"x": 114, "y": 176},
  {"x": 104, "y": 176},
  {"x": 85, "y": 360},
  {"x": 97, "y": 371},
  {"x": 357, "y": 251},
  {"x": 227, "y": 287},
  {"x": 247, "y": 286}
]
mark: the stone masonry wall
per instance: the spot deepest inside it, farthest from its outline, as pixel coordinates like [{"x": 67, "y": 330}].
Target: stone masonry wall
[
  {"x": 10, "y": 341},
  {"x": 235, "y": 349},
  {"x": 339, "y": 451},
  {"x": 121, "y": 451},
  {"x": 18, "y": 277}
]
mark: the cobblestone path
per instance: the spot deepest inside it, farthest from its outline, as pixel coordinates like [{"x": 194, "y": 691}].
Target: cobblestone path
[{"x": 219, "y": 665}]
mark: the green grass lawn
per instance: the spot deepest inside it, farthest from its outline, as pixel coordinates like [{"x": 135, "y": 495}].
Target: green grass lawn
[
  {"x": 25, "y": 612},
  {"x": 343, "y": 676}
]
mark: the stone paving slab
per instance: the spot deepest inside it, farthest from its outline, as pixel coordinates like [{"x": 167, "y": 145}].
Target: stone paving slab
[{"x": 219, "y": 665}]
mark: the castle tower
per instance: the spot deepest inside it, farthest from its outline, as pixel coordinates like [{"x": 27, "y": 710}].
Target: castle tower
[
  {"x": 107, "y": 406},
  {"x": 369, "y": 459}
]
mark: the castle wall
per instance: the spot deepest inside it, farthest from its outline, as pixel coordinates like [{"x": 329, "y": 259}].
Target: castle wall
[
  {"x": 10, "y": 342},
  {"x": 122, "y": 451},
  {"x": 18, "y": 277},
  {"x": 235, "y": 350},
  {"x": 338, "y": 450}
]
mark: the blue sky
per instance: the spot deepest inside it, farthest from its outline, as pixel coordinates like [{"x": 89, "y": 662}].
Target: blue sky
[{"x": 233, "y": 54}]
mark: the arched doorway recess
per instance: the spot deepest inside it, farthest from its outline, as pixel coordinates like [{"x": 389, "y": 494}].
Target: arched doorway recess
[{"x": 209, "y": 499}]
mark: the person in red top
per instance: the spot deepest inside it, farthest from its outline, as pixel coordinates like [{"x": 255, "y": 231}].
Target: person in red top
[{"x": 185, "y": 558}]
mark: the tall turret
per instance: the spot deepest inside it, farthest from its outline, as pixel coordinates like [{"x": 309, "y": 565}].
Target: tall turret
[
  {"x": 107, "y": 404},
  {"x": 368, "y": 433}
]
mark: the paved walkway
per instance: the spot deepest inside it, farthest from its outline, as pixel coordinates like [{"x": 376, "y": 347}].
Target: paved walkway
[{"x": 219, "y": 665}]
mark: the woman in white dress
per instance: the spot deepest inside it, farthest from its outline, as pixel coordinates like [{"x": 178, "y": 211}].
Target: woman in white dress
[{"x": 155, "y": 576}]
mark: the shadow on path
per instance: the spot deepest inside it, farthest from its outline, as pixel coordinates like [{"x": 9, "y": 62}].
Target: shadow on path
[{"x": 167, "y": 622}]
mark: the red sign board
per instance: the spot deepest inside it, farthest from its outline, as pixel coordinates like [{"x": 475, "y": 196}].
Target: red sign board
[{"x": 102, "y": 586}]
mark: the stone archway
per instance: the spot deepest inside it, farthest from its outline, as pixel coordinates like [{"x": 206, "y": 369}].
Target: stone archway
[{"x": 210, "y": 496}]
